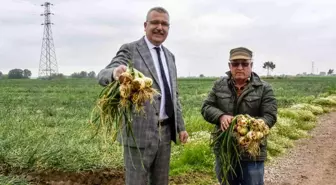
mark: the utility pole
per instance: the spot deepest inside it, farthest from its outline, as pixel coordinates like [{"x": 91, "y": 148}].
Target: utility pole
[
  {"x": 48, "y": 64},
  {"x": 312, "y": 71}
]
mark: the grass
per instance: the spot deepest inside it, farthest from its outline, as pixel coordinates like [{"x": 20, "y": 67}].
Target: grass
[
  {"x": 193, "y": 156},
  {"x": 12, "y": 181},
  {"x": 44, "y": 124}
]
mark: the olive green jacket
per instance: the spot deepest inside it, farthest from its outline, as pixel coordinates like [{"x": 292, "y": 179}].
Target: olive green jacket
[{"x": 257, "y": 100}]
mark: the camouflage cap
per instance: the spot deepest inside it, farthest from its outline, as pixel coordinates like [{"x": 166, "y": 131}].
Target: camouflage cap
[{"x": 240, "y": 53}]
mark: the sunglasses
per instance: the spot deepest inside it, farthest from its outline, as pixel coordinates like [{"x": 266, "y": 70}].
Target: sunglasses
[{"x": 243, "y": 64}]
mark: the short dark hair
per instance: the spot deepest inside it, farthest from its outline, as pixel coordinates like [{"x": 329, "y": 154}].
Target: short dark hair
[{"x": 157, "y": 9}]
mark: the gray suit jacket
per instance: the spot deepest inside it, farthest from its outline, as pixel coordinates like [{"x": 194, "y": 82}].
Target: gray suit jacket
[{"x": 140, "y": 55}]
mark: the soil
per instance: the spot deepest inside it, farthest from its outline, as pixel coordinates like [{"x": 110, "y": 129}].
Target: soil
[
  {"x": 311, "y": 162},
  {"x": 98, "y": 177},
  {"x": 53, "y": 177}
]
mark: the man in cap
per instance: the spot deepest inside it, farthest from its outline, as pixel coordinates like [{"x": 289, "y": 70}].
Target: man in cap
[{"x": 241, "y": 92}]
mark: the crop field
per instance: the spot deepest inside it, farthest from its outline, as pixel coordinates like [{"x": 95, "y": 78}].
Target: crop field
[{"x": 45, "y": 135}]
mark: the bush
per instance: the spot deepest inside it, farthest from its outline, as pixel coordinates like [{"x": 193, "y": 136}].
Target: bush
[
  {"x": 315, "y": 109},
  {"x": 328, "y": 101},
  {"x": 289, "y": 128},
  {"x": 297, "y": 114}
]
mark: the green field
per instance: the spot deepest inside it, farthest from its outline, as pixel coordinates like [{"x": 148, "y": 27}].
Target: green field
[{"x": 44, "y": 124}]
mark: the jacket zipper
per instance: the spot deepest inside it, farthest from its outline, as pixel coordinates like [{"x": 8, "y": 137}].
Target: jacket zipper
[{"x": 238, "y": 100}]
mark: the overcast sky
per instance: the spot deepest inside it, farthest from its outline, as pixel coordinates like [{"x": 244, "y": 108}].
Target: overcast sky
[{"x": 88, "y": 33}]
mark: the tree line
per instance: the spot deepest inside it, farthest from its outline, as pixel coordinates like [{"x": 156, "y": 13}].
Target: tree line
[
  {"x": 26, "y": 74},
  {"x": 269, "y": 66},
  {"x": 17, "y": 74}
]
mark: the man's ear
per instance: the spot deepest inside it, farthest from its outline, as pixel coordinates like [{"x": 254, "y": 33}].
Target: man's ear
[{"x": 145, "y": 25}]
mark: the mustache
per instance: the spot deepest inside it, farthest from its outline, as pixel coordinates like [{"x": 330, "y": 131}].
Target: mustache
[{"x": 161, "y": 32}]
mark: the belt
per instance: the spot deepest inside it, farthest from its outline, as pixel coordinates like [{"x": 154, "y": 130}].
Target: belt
[{"x": 163, "y": 122}]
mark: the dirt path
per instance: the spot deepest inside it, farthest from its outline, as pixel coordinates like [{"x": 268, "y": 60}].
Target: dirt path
[{"x": 311, "y": 162}]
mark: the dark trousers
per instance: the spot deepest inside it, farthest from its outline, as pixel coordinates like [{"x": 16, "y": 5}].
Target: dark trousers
[{"x": 252, "y": 173}]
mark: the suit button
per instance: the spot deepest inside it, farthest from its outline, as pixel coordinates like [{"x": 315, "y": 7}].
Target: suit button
[
  {"x": 159, "y": 98},
  {"x": 157, "y": 113}
]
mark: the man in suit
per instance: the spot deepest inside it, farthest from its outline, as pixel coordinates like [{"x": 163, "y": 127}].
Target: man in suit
[{"x": 163, "y": 119}]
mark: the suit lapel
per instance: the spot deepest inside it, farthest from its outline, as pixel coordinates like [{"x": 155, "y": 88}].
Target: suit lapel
[{"x": 147, "y": 58}]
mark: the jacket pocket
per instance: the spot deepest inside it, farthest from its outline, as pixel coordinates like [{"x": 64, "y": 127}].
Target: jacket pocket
[
  {"x": 251, "y": 105},
  {"x": 223, "y": 95},
  {"x": 252, "y": 101},
  {"x": 224, "y": 102}
]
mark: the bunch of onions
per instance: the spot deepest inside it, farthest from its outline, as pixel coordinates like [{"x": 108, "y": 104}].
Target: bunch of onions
[
  {"x": 116, "y": 102},
  {"x": 244, "y": 134},
  {"x": 249, "y": 133},
  {"x": 135, "y": 89}
]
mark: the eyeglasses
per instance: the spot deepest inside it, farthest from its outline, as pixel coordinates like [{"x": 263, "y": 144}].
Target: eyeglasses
[
  {"x": 243, "y": 64},
  {"x": 157, "y": 22}
]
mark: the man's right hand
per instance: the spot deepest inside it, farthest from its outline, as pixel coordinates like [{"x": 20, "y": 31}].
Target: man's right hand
[
  {"x": 118, "y": 71},
  {"x": 225, "y": 121}
]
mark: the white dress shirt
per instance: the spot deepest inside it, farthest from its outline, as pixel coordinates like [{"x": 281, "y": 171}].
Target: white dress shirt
[{"x": 158, "y": 71}]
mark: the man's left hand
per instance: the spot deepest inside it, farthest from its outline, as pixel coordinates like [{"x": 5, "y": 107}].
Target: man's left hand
[{"x": 183, "y": 135}]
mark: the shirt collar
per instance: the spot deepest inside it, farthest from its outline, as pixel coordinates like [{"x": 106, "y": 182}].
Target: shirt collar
[
  {"x": 150, "y": 45},
  {"x": 234, "y": 83}
]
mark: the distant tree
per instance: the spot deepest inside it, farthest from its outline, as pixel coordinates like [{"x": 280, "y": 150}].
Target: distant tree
[
  {"x": 1, "y": 74},
  {"x": 52, "y": 76},
  {"x": 15, "y": 74},
  {"x": 26, "y": 73},
  {"x": 269, "y": 65},
  {"x": 57, "y": 76},
  {"x": 60, "y": 75},
  {"x": 201, "y": 75},
  {"x": 92, "y": 74},
  {"x": 330, "y": 71},
  {"x": 83, "y": 74},
  {"x": 75, "y": 75}
]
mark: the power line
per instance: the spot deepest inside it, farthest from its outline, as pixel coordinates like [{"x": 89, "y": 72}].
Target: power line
[{"x": 48, "y": 63}]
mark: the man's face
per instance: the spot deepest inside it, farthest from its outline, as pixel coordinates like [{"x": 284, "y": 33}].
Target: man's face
[
  {"x": 240, "y": 69},
  {"x": 157, "y": 27}
]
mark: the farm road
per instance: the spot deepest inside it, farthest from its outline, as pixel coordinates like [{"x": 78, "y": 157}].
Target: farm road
[{"x": 311, "y": 162}]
